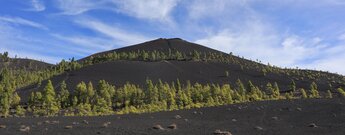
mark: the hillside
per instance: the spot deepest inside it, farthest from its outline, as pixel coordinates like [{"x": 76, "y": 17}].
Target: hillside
[
  {"x": 205, "y": 71},
  {"x": 28, "y": 64},
  {"x": 163, "y": 45}
]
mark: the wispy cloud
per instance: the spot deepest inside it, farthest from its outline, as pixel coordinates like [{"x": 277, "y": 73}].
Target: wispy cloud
[
  {"x": 199, "y": 9},
  {"x": 13, "y": 41},
  {"x": 149, "y": 9},
  {"x": 37, "y": 5},
  {"x": 87, "y": 44},
  {"x": 21, "y": 21},
  {"x": 76, "y": 7},
  {"x": 122, "y": 37},
  {"x": 333, "y": 59}
]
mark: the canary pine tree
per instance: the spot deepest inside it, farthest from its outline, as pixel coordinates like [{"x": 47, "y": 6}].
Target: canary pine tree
[{"x": 49, "y": 102}]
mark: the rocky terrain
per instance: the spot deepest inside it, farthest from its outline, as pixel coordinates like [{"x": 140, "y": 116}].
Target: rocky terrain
[{"x": 296, "y": 117}]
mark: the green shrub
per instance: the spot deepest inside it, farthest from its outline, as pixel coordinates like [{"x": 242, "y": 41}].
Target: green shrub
[
  {"x": 20, "y": 111},
  {"x": 226, "y": 73},
  {"x": 341, "y": 91},
  {"x": 329, "y": 94},
  {"x": 304, "y": 93}
]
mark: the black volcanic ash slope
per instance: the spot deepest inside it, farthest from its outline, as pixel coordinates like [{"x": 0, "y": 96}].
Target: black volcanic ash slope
[
  {"x": 163, "y": 45},
  {"x": 136, "y": 72}
]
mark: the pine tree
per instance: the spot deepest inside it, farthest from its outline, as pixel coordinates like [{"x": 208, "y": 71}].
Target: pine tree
[
  {"x": 84, "y": 109},
  {"x": 289, "y": 95},
  {"x": 241, "y": 90},
  {"x": 329, "y": 94},
  {"x": 313, "y": 90},
  {"x": 304, "y": 93},
  {"x": 196, "y": 55},
  {"x": 292, "y": 86},
  {"x": 5, "y": 57},
  {"x": 178, "y": 55},
  {"x": 226, "y": 73},
  {"x": 64, "y": 95},
  {"x": 101, "y": 107},
  {"x": 341, "y": 91},
  {"x": 276, "y": 92},
  {"x": 38, "y": 99},
  {"x": 270, "y": 89},
  {"x": 153, "y": 56},
  {"x": 74, "y": 101},
  {"x": 180, "y": 99},
  {"x": 5, "y": 104},
  {"x": 49, "y": 101},
  {"x": 227, "y": 94},
  {"x": 31, "y": 101},
  {"x": 81, "y": 92},
  {"x": 106, "y": 91},
  {"x": 145, "y": 56},
  {"x": 171, "y": 101},
  {"x": 90, "y": 92},
  {"x": 15, "y": 99},
  {"x": 152, "y": 92},
  {"x": 251, "y": 87},
  {"x": 20, "y": 111}
]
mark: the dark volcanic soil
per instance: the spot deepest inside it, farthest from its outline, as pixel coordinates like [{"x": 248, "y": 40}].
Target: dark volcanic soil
[
  {"x": 161, "y": 44},
  {"x": 260, "y": 118}
]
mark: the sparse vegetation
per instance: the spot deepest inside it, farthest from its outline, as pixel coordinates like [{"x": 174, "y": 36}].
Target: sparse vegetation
[
  {"x": 304, "y": 93},
  {"x": 226, "y": 73},
  {"x": 329, "y": 94},
  {"x": 341, "y": 91},
  {"x": 314, "y": 93},
  {"x": 106, "y": 99}
]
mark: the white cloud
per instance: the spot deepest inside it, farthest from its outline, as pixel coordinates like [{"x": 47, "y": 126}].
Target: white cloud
[
  {"x": 237, "y": 27},
  {"x": 25, "y": 45},
  {"x": 21, "y": 21},
  {"x": 88, "y": 44},
  {"x": 215, "y": 8},
  {"x": 148, "y": 9},
  {"x": 255, "y": 40},
  {"x": 75, "y": 7},
  {"x": 122, "y": 37},
  {"x": 294, "y": 51},
  {"x": 37, "y": 5},
  {"x": 333, "y": 59},
  {"x": 12, "y": 40},
  {"x": 258, "y": 40}
]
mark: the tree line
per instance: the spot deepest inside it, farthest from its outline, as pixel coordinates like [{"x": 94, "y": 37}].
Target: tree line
[{"x": 106, "y": 99}]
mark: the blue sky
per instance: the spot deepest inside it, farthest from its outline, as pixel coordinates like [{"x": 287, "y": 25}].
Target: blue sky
[{"x": 287, "y": 33}]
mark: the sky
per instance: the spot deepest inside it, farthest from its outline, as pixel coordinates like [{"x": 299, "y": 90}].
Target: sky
[{"x": 287, "y": 33}]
